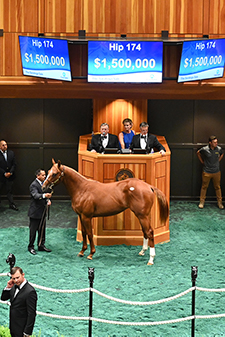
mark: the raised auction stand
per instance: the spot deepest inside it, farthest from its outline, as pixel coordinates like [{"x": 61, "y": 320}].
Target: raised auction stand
[{"x": 154, "y": 169}]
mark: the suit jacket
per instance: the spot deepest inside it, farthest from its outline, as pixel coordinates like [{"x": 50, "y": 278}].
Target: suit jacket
[
  {"x": 96, "y": 142},
  {"x": 152, "y": 142},
  {"x": 7, "y": 166},
  {"x": 38, "y": 203},
  {"x": 22, "y": 309}
]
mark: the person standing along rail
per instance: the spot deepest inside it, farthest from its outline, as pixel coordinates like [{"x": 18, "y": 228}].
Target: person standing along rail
[
  {"x": 7, "y": 172},
  {"x": 210, "y": 156}
]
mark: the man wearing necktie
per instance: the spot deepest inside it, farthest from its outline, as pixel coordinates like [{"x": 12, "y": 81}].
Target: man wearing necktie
[
  {"x": 7, "y": 172},
  {"x": 23, "y": 299},
  {"x": 147, "y": 141},
  {"x": 37, "y": 213},
  {"x": 104, "y": 140}
]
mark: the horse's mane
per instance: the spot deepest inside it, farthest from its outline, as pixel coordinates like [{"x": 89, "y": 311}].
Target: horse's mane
[{"x": 74, "y": 172}]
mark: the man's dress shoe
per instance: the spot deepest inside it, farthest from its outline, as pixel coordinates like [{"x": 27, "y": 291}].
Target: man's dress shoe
[
  {"x": 43, "y": 248},
  {"x": 13, "y": 206},
  {"x": 32, "y": 251}
]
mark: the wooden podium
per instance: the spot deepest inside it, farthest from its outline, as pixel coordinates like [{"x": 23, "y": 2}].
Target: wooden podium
[{"x": 124, "y": 228}]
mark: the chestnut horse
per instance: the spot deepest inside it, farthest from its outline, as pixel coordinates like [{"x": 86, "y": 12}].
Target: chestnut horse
[{"x": 91, "y": 198}]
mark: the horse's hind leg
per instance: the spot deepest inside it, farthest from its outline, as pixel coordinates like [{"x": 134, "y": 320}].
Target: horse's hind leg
[{"x": 148, "y": 235}]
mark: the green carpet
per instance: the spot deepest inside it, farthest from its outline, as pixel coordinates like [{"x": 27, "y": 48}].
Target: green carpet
[{"x": 196, "y": 240}]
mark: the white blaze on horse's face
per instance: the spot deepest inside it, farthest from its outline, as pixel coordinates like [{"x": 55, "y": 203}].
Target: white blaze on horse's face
[
  {"x": 52, "y": 179},
  {"x": 50, "y": 174}
]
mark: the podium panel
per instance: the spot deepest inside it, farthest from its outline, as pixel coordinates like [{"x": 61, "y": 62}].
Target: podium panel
[{"x": 124, "y": 228}]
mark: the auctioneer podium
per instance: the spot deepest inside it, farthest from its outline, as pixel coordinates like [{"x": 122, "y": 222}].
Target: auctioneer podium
[{"x": 124, "y": 228}]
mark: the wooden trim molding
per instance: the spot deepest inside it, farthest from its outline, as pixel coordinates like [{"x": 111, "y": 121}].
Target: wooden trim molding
[{"x": 22, "y": 87}]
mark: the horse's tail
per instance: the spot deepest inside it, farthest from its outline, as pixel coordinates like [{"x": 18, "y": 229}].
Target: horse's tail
[{"x": 163, "y": 204}]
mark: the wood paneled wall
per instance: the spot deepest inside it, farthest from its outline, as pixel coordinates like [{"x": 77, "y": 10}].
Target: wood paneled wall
[
  {"x": 114, "y": 111},
  {"x": 125, "y": 16},
  {"x": 104, "y": 18},
  {"x": 216, "y": 13},
  {"x": 113, "y": 16},
  {"x": 19, "y": 16}
]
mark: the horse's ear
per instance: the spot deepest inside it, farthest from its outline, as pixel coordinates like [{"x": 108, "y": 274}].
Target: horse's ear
[
  {"x": 59, "y": 163},
  {"x": 53, "y": 162}
]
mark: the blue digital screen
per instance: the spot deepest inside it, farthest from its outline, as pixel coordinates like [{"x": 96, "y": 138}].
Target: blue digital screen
[
  {"x": 202, "y": 60},
  {"x": 43, "y": 57},
  {"x": 125, "y": 61}
]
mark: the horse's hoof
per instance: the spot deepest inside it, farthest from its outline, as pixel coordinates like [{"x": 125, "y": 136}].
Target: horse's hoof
[
  {"x": 89, "y": 257},
  {"x": 150, "y": 264},
  {"x": 81, "y": 254},
  {"x": 142, "y": 252}
]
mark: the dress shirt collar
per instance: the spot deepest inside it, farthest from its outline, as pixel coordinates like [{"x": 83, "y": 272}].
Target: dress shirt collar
[
  {"x": 105, "y": 140},
  {"x": 40, "y": 182},
  {"x": 18, "y": 288},
  {"x": 4, "y": 154},
  {"x": 23, "y": 284},
  {"x": 105, "y": 136},
  {"x": 143, "y": 141}
]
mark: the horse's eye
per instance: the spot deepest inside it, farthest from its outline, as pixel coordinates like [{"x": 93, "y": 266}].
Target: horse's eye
[{"x": 54, "y": 175}]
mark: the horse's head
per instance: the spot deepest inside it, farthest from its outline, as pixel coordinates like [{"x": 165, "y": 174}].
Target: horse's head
[{"x": 54, "y": 176}]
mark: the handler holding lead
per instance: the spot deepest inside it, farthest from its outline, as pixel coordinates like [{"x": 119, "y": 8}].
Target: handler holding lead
[{"x": 37, "y": 212}]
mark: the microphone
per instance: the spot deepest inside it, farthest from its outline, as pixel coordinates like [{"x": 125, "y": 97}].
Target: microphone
[{"x": 103, "y": 136}]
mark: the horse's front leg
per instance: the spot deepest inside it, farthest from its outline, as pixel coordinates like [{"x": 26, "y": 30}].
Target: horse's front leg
[
  {"x": 88, "y": 228},
  {"x": 84, "y": 235},
  {"x": 144, "y": 247}
]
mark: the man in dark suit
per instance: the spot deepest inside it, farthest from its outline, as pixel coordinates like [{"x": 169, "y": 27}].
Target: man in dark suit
[
  {"x": 147, "y": 141},
  {"x": 37, "y": 212},
  {"x": 23, "y": 299},
  {"x": 7, "y": 172},
  {"x": 104, "y": 140}
]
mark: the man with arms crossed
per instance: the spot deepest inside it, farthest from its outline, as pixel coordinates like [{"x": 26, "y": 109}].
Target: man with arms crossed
[{"x": 210, "y": 156}]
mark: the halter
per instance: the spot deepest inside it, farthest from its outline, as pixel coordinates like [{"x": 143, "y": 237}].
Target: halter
[{"x": 51, "y": 184}]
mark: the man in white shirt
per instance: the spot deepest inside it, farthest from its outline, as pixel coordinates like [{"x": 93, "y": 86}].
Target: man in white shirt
[
  {"x": 104, "y": 140},
  {"x": 147, "y": 141}
]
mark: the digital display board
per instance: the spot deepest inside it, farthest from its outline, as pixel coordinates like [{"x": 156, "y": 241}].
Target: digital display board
[
  {"x": 125, "y": 61},
  {"x": 202, "y": 60},
  {"x": 43, "y": 57}
]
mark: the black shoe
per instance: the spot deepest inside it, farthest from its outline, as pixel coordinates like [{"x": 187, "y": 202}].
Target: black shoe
[
  {"x": 32, "y": 251},
  {"x": 13, "y": 206},
  {"x": 43, "y": 248}
]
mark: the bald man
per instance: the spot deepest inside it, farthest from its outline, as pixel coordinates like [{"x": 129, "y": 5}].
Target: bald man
[{"x": 7, "y": 172}]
